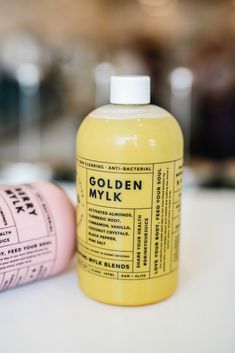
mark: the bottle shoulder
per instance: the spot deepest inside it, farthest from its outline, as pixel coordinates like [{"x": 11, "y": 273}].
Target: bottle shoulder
[
  {"x": 136, "y": 139},
  {"x": 123, "y": 112},
  {"x": 129, "y": 120}
]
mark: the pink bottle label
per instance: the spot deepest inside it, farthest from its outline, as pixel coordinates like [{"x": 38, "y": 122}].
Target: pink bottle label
[{"x": 27, "y": 236}]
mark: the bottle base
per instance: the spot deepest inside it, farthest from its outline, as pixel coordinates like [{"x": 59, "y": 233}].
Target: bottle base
[{"x": 127, "y": 293}]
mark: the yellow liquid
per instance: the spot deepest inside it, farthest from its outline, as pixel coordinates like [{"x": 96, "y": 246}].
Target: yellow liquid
[{"x": 128, "y": 216}]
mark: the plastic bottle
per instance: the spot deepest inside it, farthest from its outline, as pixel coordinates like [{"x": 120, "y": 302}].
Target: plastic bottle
[
  {"x": 129, "y": 171},
  {"x": 37, "y": 232}
]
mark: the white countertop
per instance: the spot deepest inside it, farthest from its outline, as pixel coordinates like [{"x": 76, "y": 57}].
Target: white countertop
[{"x": 53, "y": 316}]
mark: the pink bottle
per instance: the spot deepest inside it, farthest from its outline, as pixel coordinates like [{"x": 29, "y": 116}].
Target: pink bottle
[{"x": 37, "y": 232}]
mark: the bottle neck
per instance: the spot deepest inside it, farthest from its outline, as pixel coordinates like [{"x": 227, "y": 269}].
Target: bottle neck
[{"x": 129, "y": 105}]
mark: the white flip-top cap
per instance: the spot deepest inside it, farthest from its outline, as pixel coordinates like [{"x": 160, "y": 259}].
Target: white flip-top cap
[{"x": 130, "y": 89}]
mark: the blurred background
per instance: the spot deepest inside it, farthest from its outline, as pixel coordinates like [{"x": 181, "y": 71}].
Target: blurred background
[{"x": 56, "y": 58}]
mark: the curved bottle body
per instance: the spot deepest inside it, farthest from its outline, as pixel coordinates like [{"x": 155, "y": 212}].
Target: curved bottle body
[
  {"x": 37, "y": 232},
  {"x": 129, "y": 169}
]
